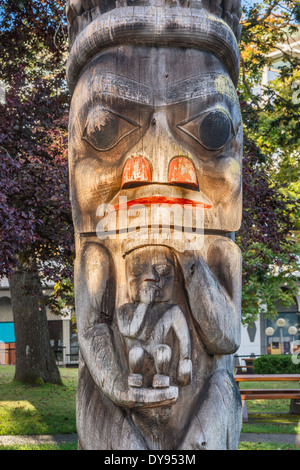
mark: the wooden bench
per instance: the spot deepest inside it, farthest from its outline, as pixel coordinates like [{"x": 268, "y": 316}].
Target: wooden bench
[
  {"x": 266, "y": 394},
  {"x": 247, "y": 368}
]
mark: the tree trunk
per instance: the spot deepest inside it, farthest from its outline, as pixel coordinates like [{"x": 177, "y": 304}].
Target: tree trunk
[{"x": 35, "y": 362}]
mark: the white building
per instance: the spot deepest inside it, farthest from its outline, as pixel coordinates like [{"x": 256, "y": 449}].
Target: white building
[
  {"x": 254, "y": 341},
  {"x": 62, "y": 337}
]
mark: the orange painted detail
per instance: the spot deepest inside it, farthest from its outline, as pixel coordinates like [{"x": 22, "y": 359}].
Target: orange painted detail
[
  {"x": 149, "y": 201},
  {"x": 136, "y": 170},
  {"x": 182, "y": 171}
]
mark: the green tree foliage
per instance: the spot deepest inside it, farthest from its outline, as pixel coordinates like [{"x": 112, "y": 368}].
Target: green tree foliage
[
  {"x": 33, "y": 37},
  {"x": 270, "y": 108},
  {"x": 273, "y": 364},
  {"x": 35, "y": 213},
  {"x": 36, "y": 237}
]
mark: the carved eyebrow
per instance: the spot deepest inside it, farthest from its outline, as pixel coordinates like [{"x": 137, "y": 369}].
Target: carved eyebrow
[
  {"x": 190, "y": 88},
  {"x": 123, "y": 87},
  {"x": 167, "y": 263},
  {"x": 201, "y": 85}
]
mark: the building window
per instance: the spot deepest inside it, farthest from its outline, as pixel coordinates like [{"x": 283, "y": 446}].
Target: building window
[
  {"x": 74, "y": 349},
  {"x": 5, "y": 310},
  {"x": 281, "y": 341},
  {"x": 7, "y": 332},
  {"x": 56, "y": 338}
]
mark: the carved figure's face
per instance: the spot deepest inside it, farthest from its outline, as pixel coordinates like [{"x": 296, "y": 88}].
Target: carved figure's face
[
  {"x": 151, "y": 274},
  {"x": 156, "y": 123}
]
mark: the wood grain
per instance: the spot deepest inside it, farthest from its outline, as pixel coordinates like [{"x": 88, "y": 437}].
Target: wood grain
[{"x": 155, "y": 158}]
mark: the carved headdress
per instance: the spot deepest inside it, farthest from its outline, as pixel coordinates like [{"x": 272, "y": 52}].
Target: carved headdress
[{"x": 208, "y": 25}]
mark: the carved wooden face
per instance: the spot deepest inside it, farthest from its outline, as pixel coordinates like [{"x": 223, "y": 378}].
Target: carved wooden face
[
  {"x": 158, "y": 124},
  {"x": 151, "y": 273}
]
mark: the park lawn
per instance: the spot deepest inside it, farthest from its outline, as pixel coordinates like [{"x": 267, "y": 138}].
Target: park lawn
[
  {"x": 49, "y": 409},
  {"x": 270, "y": 416},
  {"x": 73, "y": 446},
  {"x": 70, "y": 446},
  {"x": 266, "y": 446}
]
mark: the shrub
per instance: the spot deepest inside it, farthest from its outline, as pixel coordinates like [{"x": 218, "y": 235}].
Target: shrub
[{"x": 273, "y": 364}]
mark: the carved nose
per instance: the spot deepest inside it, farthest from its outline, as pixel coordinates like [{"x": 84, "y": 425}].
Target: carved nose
[
  {"x": 182, "y": 171},
  {"x": 151, "y": 275},
  {"x": 136, "y": 171}
]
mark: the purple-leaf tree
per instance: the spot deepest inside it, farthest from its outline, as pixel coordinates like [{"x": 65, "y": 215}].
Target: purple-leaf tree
[{"x": 36, "y": 237}]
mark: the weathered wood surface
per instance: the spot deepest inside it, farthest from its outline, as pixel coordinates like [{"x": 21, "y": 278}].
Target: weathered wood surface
[{"x": 155, "y": 159}]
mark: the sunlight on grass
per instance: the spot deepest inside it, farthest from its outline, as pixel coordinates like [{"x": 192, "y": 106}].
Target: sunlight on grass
[
  {"x": 49, "y": 409},
  {"x": 17, "y": 416},
  {"x": 71, "y": 446}
]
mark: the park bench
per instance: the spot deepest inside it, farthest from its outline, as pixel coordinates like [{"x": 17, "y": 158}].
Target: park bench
[
  {"x": 248, "y": 366},
  {"x": 266, "y": 394}
]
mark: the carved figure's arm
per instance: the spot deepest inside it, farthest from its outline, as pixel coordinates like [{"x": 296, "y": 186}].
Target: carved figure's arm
[
  {"x": 214, "y": 295},
  {"x": 96, "y": 347},
  {"x": 130, "y": 322},
  {"x": 174, "y": 319},
  {"x": 93, "y": 278},
  {"x": 94, "y": 301}
]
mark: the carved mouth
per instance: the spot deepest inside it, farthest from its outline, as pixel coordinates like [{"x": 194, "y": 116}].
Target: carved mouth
[
  {"x": 158, "y": 200},
  {"x": 160, "y": 195}
]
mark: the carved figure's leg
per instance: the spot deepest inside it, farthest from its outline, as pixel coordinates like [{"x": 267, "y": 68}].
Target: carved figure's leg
[
  {"x": 162, "y": 357},
  {"x": 135, "y": 359},
  {"x": 175, "y": 319},
  {"x": 217, "y": 424}
]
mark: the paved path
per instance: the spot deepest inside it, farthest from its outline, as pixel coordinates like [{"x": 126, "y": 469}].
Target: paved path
[
  {"x": 277, "y": 438},
  {"x": 67, "y": 438},
  {"x": 45, "y": 439}
]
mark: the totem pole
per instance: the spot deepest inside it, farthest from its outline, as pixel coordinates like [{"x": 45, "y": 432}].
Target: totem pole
[{"x": 155, "y": 155}]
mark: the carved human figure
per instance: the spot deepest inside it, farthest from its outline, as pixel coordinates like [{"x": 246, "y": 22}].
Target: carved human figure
[
  {"x": 147, "y": 321},
  {"x": 155, "y": 120},
  {"x": 209, "y": 403}
]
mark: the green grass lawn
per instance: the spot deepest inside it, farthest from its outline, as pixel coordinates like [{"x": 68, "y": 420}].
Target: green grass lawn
[
  {"x": 50, "y": 409},
  {"x": 71, "y": 446},
  {"x": 270, "y": 416}
]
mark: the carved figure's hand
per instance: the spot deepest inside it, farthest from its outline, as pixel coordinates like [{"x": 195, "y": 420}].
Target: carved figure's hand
[
  {"x": 148, "y": 293},
  {"x": 152, "y": 398},
  {"x": 184, "y": 372}
]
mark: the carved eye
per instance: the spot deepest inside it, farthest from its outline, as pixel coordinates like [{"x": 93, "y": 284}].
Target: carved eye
[
  {"x": 137, "y": 270},
  {"x": 104, "y": 128},
  {"x": 163, "y": 269},
  {"x": 212, "y": 130}
]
